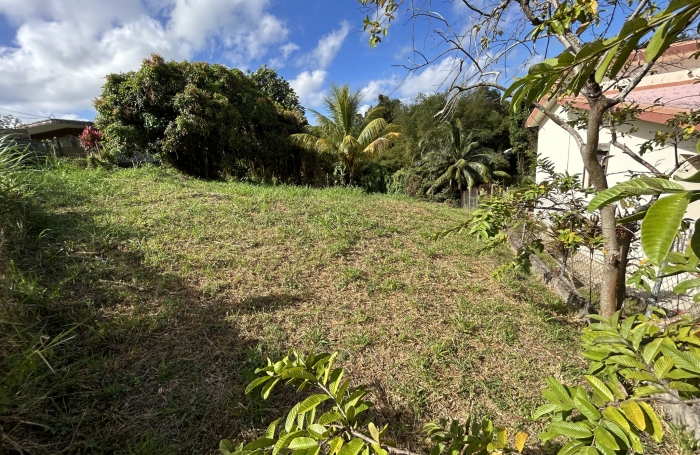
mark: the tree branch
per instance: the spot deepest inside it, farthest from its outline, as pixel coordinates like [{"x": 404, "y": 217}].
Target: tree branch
[{"x": 628, "y": 151}]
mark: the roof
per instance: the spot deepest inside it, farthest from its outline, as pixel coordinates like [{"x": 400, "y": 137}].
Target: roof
[
  {"x": 671, "y": 90},
  {"x": 54, "y": 124},
  {"x": 62, "y": 122}
]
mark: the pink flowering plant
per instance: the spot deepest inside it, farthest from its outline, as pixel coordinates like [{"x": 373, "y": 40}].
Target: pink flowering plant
[{"x": 90, "y": 139}]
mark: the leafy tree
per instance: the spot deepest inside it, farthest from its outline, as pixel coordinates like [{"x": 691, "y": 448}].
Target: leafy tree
[
  {"x": 592, "y": 47},
  {"x": 8, "y": 122},
  {"x": 391, "y": 106},
  {"x": 276, "y": 88},
  {"x": 206, "y": 120},
  {"x": 345, "y": 134},
  {"x": 452, "y": 157}
]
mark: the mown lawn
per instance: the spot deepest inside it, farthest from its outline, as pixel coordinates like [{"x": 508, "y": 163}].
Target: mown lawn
[{"x": 177, "y": 289}]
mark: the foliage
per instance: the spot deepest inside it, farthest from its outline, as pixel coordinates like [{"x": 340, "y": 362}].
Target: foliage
[
  {"x": 90, "y": 138},
  {"x": 206, "y": 120},
  {"x": 345, "y": 134},
  {"x": 276, "y": 88},
  {"x": 633, "y": 362},
  {"x": 451, "y": 157},
  {"x": 8, "y": 122}
]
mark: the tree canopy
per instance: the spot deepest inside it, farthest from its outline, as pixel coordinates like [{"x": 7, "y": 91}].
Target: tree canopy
[{"x": 205, "y": 119}]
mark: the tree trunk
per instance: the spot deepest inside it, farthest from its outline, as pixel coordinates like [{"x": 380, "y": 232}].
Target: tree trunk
[
  {"x": 463, "y": 196},
  {"x": 598, "y": 105},
  {"x": 625, "y": 242}
]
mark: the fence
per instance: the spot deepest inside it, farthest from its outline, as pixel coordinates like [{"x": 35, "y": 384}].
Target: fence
[
  {"x": 472, "y": 196},
  {"x": 66, "y": 147},
  {"x": 585, "y": 270}
]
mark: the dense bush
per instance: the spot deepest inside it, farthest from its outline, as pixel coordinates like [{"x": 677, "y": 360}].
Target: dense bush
[{"x": 206, "y": 120}]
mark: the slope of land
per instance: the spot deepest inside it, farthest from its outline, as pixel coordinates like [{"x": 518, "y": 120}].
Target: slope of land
[{"x": 177, "y": 289}]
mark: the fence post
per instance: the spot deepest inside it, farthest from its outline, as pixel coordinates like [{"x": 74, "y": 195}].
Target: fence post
[{"x": 58, "y": 150}]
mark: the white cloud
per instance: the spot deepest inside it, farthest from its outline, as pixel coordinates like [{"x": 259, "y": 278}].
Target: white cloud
[
  {"x": 327, "y": 48},
  {"x": 308, "y": 85},
  {"x": 288, "y": 49},
  {"x": 63, "y": 48},
  {"x": 430, "y": 80}
]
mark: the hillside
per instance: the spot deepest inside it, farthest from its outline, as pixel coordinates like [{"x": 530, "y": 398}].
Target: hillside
[{"x": 176, "y": 289}]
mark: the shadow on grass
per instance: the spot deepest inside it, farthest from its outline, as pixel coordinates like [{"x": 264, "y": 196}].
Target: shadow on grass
[{"x": 154, "y": 366}]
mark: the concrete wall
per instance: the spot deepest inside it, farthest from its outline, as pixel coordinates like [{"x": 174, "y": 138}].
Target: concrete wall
[{"x": 559, "y": 147}]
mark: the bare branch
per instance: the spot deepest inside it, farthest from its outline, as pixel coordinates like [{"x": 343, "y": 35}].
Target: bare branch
[{"x": 628, "y": 151}]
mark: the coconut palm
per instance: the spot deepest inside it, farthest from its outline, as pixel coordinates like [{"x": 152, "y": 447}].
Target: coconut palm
[
  {"x": 451, "y": 157},
  {"x": 345, "y": 133}
]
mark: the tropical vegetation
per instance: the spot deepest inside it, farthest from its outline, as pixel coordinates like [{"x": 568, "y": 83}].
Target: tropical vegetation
[{"x": 345, "y": 134}]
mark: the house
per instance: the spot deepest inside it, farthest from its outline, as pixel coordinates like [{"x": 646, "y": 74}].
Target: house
[
  {"x": 672, "y": 88},
  {"x": 55, "y": 128}
]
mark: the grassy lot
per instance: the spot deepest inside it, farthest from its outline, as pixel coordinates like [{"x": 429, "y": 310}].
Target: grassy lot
[{"x": 177, "y": 289}]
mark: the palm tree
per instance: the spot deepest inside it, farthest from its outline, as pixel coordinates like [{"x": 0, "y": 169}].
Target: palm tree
[
  {"x": 451, "y": 157},
  {"x": 345, "y": 133}
]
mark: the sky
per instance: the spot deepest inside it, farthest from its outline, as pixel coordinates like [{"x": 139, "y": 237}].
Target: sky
[{"x": 54, "y": 54}]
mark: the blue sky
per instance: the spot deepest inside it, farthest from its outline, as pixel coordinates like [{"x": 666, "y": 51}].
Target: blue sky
[{"x": 54, "y": 54}]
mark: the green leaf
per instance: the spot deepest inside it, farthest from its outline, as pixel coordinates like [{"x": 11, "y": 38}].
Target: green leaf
[
  {"x": 635, "y": 187},
  {"x": 311, "y": 402},
  {"x": 588, "y": 451},
  {"x": 646, "y": 391},
  {"x": 373, "y": 431},
  {"x": 291, "y": 418},
  {"x": 571, "y": 448},
  {"x": 571, "y": 429},
  {"x": 502, "y": 436},
  {"x": 257, "y": 382},
  {"x": 298, "y": 373},
  {"x": 270, "y": 433},
  {"x": 650, "y": 350},
  {"x": 226, "y": 447},
  {"x": 625, "y": 51},
  {"x": 284, "y": 440},
  {"x": 656, "y": 43},
  {"x": 600, "y": 72},
  {"x": 560, "y": 391},
  {"x": 352, "y": 448},
  {"x": 589, "y": 49},
  {"x": 634, "y": 414},
  {"x": 335, "y": 445},
  {"x": 687, "y": 285},
  {"x": 662, "y": 366},
  {"x": 616, "y": 417},
  {"x": 267, "y": 388},
  {"x": 682, "y": 359},
  {"x": 545, "y": 409},
  {"x": 604, "y": 437},
  {"x": 330, "y": 417},
  {"x": 599, "y": 387},
  {"x": 661, "y": 224},
  {"x": 657, "y": 432},
  {"x": 626, "y": 361},
  {"x": 632, "y": 26},
  {"x": 587, "y": 409},
  {"x": 683, "y": 387},
  {"x": 316, "y": 430},
  {"x": 259, "y": 444},
  {"x": 302, "y": 444},
  {"x": 638, "y": 375}
]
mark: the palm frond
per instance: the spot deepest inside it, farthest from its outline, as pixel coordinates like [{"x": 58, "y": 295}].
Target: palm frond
[{"x": 371, "y": 131}]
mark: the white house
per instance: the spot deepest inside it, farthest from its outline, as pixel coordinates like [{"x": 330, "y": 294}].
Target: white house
[{"x": 672, "y": 88}]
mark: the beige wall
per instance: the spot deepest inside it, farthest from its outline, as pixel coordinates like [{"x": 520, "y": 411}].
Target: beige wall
[{"x": 559, "y": 147}]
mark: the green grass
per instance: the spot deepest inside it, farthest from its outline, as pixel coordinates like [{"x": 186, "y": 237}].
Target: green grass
[{"x": 177, "y": 289}]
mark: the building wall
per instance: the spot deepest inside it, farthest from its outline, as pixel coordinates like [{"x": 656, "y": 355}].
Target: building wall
[
  {"x": 558, "y": 146},
  {"x": 63, "y": 132}
]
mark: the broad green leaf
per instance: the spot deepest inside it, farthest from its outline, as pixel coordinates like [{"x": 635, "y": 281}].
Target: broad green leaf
[
  {"x": 352, "y": 448},
  {"x": 646, "y": 391},
  {"x": 683, "y": 387},
  {"x": 662, "y": 366},
  {"x": 559, "y": 390},
  {"x": 588, "y": 451},
  {"x": 634, "y": 414},
  {"x": 257, "y": 382},
  {"x": 316, "y": 430},
  {"x": 589, "y": 49},
  {"x": 657, "y": 430},
  {"x": 629, "y": 46},
  {"x": 571, "y": 448},
  {"x": 695, "y": 178},
  {"x": 633, "y": 26},
  {"x": 656, "y": 43},
  {"x": 302, "y": 444},
  {"x": 603, "y": 449},
  {"x": 638, "y": 375},
  {"x": 661, "y": 224},
  {"x": 682, "y": 359},
  {"x": 502, "y": 435},
  {"x": 636, "y": 443},
  {"x": 687, "y": 285},
  {"x": 226, "y": 447},
  {"x": 587, "y": 409},
  {"x": 599, "y": 387},
  {"x": 259, "y": 444},
  {"x": 626, "y": 360},
  {"x": 616, "y": 417},
  {"x": 635, "y": 187},
  {"x": 604, "y": 437},
  {"x": 571, "y": 429},
  {"x": 284, "y": 440},
  {"x": 311, "y": 402},
  {"x": 298, "y": 373},
  {"x": 291, "y": 418},
  {"x": 650, "y": 350},
  {"x": 335, "y": 445},
  {"x": 695, "y": 239},
  {"x": 267, "y": 388},
  {"x": 271, "y": 429},
  {"x": 600, "y": 72},
  {"x": 545, "y": 409}
]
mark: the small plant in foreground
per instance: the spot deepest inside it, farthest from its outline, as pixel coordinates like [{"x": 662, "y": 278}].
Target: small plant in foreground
[{"x": 635, "y": 362}]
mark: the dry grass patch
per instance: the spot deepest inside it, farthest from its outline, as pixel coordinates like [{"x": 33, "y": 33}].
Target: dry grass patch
[{"x": 179, "y": 289}]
